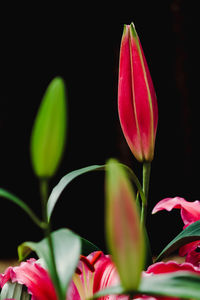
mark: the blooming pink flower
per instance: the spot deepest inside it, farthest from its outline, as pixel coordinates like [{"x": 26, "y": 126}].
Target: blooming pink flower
[
  {"x": 190, "y": 213},
  {"x": 137, "y": 103},
  {"x": 94, "y": 272}
]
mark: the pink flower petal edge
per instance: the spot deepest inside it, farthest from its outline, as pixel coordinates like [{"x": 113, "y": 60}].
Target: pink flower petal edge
[
  {"x": 171, "y": 266},
  {"x": 190, "y": 211}
]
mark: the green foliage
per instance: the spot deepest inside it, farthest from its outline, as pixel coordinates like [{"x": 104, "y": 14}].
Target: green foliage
[
  {"x": 183, "y": 285},
  {"x": 189, "y": 234},
  {"x": 27, "y": 247},
  {"x": 65, "y": 180},
  {"x": 125, "y": 235},
  {"x": 87, "y": 247}
]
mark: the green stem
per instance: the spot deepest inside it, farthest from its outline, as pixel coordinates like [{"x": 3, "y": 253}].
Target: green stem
[
  {"x": 44, "y": 196},
  {"x": 47, "y": 233},
  {"x": 146, "y": 179}
]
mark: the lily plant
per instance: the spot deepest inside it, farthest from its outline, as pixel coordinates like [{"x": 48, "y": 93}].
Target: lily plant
[{"x": 73, "y": 268}]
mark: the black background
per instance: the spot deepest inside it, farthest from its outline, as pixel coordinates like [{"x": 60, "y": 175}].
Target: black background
[{"x": 80, "y": 43}]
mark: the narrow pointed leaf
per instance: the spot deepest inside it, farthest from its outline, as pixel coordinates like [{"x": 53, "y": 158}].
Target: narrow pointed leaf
[
  {"x": 125, "y": 238},
  {"x": 27, "y": 247},
  {"x": 63, "y": 183},
  {"x": 189, "y": 234},
  {"x": 58, "y": 189},
  {"x": 87, "y": 247},
  {"x": 49, "y": 130},
  {"x": 67, "y": 248}
]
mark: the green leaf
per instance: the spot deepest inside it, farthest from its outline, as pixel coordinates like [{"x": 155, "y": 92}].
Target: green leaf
[
  {"x": 14, "y": 290},
  {"x": 67, "y": 248},
  {"x": 113, "y": 290},
  {"x": 49, "y": 130},
  {"x": 26, "y": 248},
  {"x": 189, "y": 234},
  {"x": 184, "y": 285},
  {"x": 7, "y": 195},
  {"x": 177, "y": 284},
  {"x": 87, "y": 247},
  {"x": 58, "y": 189},
  {"x": 124, "y": 234}
]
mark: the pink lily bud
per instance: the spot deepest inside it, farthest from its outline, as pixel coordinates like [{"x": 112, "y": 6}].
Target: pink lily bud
[{"x": 137, "y": 103}]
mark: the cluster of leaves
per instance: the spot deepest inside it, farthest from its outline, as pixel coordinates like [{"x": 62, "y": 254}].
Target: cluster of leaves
[{"x": 127, "y": 239}]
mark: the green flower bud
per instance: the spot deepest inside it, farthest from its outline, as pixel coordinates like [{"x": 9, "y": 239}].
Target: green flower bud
[{"x": 49, "y": 130}]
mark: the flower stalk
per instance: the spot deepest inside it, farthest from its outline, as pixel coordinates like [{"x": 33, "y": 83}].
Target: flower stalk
[
  {"x": 44, "y": 186},
  {"x": 146, "y": 180},
  {"x": 47, "y": 147}
]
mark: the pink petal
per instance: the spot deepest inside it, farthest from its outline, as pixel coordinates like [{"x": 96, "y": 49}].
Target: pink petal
[
  {"x": 190, "y": 211},
  {"x": 105, "y": 273},
  {"x": 34, "y": 277},
  {"x": 106, "y": 276},
  {"x": 72, "y": 292},
  {"x": 82, "y": 283},
  {"x": 188, "y": 248},
  {"x": 125, "y": 99},
  {"x": 193, "y": 257},
  {"x": 171, "y": 266},
  {"x": 95, "y": 272},
  {"x": 145, "y": 97}
]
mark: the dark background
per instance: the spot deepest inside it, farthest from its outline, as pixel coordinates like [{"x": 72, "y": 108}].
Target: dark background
[{"x": 80, "y": 43}]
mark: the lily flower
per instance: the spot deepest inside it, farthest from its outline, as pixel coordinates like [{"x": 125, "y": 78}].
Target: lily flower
[
  {"x": 93, "y": 273},
  {"x": 137, "y": 103},
  {"x": 190, "y": 213}
]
